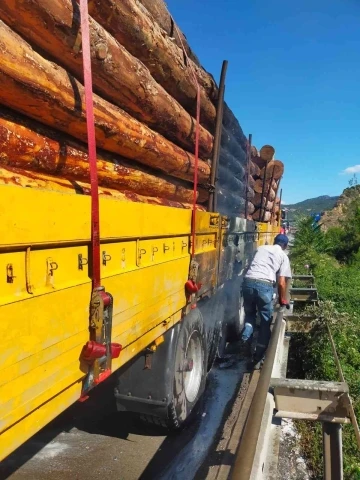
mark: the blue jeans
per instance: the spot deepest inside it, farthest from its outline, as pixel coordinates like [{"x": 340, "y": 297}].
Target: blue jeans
[{"x": 258, "y": 297}]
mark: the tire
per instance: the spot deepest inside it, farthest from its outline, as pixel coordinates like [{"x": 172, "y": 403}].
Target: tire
[
  {"x": 238, "y": 322},
  {"x": 222, "y": 341},
  {"x": 217, "y": 342},
  {"x": 189, "y": 369},
  {"x": 237, "y": 316}
]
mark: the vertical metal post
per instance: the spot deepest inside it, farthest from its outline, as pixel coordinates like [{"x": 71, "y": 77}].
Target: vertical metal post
[
  {"x": 274, "y": 205},
  {"x": 332, "y": 448},
  {"x": 248, "y": 174},
  {"x": 212, "y": 204},
  {"x": 279, "y": 214},
  {"x": 268, "y": 195},
  {"x": 262, "y": 200}
]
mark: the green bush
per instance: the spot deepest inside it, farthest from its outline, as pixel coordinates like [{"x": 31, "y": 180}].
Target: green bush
[{"x": 334, "y": 259}]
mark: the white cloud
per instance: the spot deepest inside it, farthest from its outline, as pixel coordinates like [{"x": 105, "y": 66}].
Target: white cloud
[{"x": 351, "y": 170}]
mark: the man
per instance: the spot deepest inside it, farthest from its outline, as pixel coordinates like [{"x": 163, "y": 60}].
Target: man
[{"x": 269, "y": 265}]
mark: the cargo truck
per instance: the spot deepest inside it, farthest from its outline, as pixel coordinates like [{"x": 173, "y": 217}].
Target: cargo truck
[{"x": 168, "y": 300}]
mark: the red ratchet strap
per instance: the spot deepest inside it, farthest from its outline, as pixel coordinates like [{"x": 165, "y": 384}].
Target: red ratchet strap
[
  {"x": 197, "y": 135},
  {"x": 90, "y": 121}
]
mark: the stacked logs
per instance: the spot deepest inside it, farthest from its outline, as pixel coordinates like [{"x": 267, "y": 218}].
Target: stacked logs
[
  {"x": 267, "y": 184},
  {"x": 144, "y": 126},
  {"x": 144, "y": 106}
]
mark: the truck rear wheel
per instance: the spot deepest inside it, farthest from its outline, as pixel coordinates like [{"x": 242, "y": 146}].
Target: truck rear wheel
[
  {"x": 217, "y": 341},
  {"x": 189, "y": 371},
  {"x": 190, "y": 368},
  {"x": 237, "y": 322},
  {"x": 236, "y": 314}
]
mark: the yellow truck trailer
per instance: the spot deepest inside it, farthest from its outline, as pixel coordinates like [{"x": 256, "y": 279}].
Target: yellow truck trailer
[
  {"x": 169, "y": 298},
  {"x": 46, "y": 290}
]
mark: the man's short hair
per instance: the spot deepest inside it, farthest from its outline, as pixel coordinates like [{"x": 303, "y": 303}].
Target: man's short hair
[{"x": 281, "y": 240}]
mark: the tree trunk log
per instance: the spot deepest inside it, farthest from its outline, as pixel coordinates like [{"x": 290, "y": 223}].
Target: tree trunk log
[
  {"x": 258, "y": 187},
  {"x": 229, "y": 143},
  {"x": 251, "y": 208},
  {"x": 232, "y": 125},
  {"x": 260, "y": 201},
  {"x": 275, "y": 169},
  {"x": 26, "y": 146},
  {"x": 258, "y": 161},
  {"x": 228, "y": 181},
  {"x": 267, "y": 153},
  {"x": 158, "y": 10},
  {"x": 266, "y": 216},
  {"x": 54, "y": 26},
  {"x": 254, "y": 169},
  {"x": 161, "y": 14},
  {"x": 23, "y": 178},
  {"x": 230, "y": 203},
  {"x": 40, "y": 89},
  {"x": 251, "y": 193},
  {"x": 135, "y": 29},
  {"x": 232, "y": 164},
  {"x": 251, "y": 181}
]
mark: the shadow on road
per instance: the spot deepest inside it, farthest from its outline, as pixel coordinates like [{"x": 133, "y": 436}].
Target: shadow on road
[{"x": 97, "y": 415}]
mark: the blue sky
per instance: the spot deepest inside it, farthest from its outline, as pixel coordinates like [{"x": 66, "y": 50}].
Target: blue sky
[{"x": 293, "y": 80}]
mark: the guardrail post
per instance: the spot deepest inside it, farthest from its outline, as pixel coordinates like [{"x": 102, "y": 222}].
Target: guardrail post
[{"x": 332, "y": 448}]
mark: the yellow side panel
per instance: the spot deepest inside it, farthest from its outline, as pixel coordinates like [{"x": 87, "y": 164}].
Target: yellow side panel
[
  {"x": 45, "y": 292},
  {"x": 266, "y": 233},
  {"x": 32, "y": 217}
]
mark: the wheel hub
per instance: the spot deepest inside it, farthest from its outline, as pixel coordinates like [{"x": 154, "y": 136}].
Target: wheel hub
[{"x": 193, "y": 366}]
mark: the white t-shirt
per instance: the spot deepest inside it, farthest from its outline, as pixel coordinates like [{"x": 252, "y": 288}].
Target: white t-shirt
[{"x": 268, "y": 262}]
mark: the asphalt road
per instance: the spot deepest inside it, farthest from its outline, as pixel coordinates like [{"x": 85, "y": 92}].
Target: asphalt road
[{"x": 91, "y": 440}]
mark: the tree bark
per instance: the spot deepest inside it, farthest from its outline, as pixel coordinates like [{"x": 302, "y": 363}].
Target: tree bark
[
  {"x": 266, "y": 216},
  {"x": 260, "y": 201},
  {"x": 267, "y": 153},
  {"x": 230, "y": 203},
  {"x": 40, "y": 89},
  {"x": 228, "y": 181},
  {"x": 24, "y": 178},
  {"x": 232, "y": 164},
  {"x": 251, "y": 181},
  {"x": 258, "y": 187},
  {"x": 135, "y": 29},
  {"x": 26, "y": 146},
  {"x": 251, "y": 193},
  {"x": 232, "y": 125},
  {"x": 54, "y": 26},
  {"x": 258, "y": 161},
  {"x": 275, "y": 169},
  {"x": 251, "y": 208},
  {"x": 161, "y": 14},
  {"x": 229, "y": 143},
  {"x": 254, "y": 169}
]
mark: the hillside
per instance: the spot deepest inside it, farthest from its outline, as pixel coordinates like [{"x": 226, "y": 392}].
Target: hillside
[
  {"x": 311, "y": 205},
  {"x": 333, "y": 217}
]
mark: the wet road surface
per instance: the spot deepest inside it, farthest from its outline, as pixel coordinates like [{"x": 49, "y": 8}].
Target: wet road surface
[{"x": 91, "y": 440}]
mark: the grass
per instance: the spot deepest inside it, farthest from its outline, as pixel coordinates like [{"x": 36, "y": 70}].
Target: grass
[{"x": 333, "y": 257}]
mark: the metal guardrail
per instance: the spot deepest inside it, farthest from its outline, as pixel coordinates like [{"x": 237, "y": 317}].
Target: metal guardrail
[
  {"x": 332, "y": 438},
  {"x": 246, "y": 453},
  {"x": 342, "y": 378}
]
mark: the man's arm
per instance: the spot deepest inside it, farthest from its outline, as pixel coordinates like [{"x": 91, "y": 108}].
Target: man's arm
[{"x": 282, "y": 291}]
